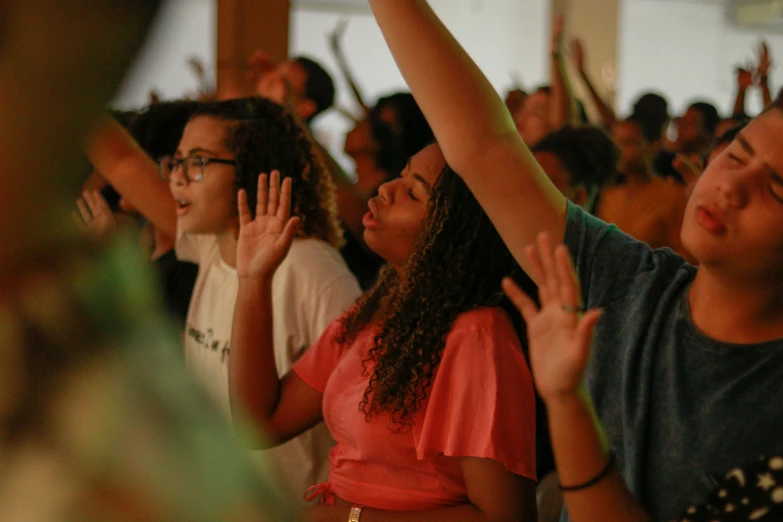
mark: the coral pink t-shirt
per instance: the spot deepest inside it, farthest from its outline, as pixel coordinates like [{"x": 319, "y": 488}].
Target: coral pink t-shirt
[{"x": 480, "y": 404}]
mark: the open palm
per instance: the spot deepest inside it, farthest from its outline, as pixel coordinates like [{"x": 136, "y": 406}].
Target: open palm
[
  {"x": 264, "y": 241},
  {"x": 559, "y": 336}
]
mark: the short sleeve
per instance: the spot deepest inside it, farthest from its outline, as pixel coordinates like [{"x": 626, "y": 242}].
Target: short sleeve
[
  {"x": 193, "y": 248},
  {"x": 481, "y": 403},
  {"x": 317, "y": 363},
  {"x": 607, "y": 260},
  {"x": 337, "y": 297}
]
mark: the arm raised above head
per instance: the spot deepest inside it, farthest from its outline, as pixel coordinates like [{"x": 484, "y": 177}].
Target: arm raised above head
[{"x": 472, "y": 125}]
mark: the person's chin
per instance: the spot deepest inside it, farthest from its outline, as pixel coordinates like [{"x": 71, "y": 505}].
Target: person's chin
[
  {"x": 189, "y": 225},
  {"x": 373, "y": 242}
]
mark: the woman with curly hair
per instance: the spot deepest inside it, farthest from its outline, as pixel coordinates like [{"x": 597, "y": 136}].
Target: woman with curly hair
[
  {"x": 423, "y": 384},
  {"x": 223, "y": 148}
]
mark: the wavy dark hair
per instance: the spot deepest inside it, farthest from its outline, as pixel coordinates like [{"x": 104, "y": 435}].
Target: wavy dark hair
[
  {"x": 458, "y": 264},
  {"x": 263, "y": 137}
]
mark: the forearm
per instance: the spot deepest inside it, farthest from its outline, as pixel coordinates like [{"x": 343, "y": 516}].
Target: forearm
[
  {"x": 119, "y": 159},
  {"x": 466, "y": 114},
  {"x": 253, "y": 380},
  {"x": 580, "y": 454},
  {"x": 766, "y": 93},
  {"x": 562, "y": 108},
  {"x": 739, "y": 103},
  {"x": 608, "y": 117},
  {"x": 349, "y": 77}
]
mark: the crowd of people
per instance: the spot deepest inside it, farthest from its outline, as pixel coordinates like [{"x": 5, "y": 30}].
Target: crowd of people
[{"x": 506, "y": 312}]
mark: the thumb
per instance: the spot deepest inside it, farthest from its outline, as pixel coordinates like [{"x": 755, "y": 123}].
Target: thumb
[
  {"x": 289, "y": 231},
  {"x": 584, "y": 330}
]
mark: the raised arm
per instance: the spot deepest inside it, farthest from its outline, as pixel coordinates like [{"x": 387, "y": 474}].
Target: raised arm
[
  {"x": 559, "y": 340},
  {"x": 472, "y": 125},
  {"x": 335, "y": 43},
  {"x": 608, "y": 117},
  {"x": 762, "y": 71},
  {"x": 116, "y": 155},
  {"x": 744, "y": 81},
  {"x": 279, "y": 408},
  {"x": 562, "y": 107}
]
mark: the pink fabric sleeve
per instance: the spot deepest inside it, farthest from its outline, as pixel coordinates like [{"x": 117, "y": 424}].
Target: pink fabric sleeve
[
  {"x": 317, "y": 363},
  {"x": 481, "y": 403}
]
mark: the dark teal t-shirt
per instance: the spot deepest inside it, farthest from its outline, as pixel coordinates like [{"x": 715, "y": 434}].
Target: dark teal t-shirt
[{"x": 678, "y": 408}]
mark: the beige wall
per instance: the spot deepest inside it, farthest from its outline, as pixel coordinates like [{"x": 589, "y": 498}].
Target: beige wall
[{"x": 245, "y": 26}]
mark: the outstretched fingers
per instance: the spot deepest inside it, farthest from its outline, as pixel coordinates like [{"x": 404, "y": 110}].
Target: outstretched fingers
[
  {"x": 284, "y": 209},
  {"x": 568, "y": 284},
  {"x": 274, "y": 193},
  {"x": 244, "y": 210},
  {"x": 584, "y": 331},
  {"x": 262, "y": 199},
  {"x": 520, "y": 299}
]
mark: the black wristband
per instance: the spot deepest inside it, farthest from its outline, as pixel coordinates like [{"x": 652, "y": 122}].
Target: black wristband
[{"x": 595, "y": 480}]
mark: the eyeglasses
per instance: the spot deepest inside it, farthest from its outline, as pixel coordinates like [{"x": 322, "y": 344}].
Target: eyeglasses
[{"x": 192, "y": 166}]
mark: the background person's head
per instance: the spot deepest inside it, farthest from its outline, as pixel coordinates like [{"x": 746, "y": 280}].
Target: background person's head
[
  {"x": 372, "y": 137},
  {"x": 533, "y": 122},
  {"x": 734, "y": 219},
  {"x": 579, "y": 161},
  {"x": 157, "y": 129},
  {"x": 401, "y": 112},
  {"x": 651, "y": 111},
  {"x": 696, "y": 128},
  {"x": 259, "y": 136},
  {"x": 635, "y": 152},
  {"x": 303, "y": 83},
  {"x": 449, "y": 260}
]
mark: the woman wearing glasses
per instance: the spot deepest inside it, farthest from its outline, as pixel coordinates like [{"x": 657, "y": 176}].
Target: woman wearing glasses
[{"x": 223, "y": 148}]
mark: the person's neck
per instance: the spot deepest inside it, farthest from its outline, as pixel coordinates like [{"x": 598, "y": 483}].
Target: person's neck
[
  {"x": 637, "y": 178},
  {"x": 736, "y": 311},
  {"x": 227, "y": 243}
]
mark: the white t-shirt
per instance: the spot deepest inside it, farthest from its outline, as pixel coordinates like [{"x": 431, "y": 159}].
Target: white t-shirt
[{"x": 310, "y": 289}]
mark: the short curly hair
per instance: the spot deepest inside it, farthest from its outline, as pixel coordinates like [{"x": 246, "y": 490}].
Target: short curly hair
[
  {"x": 457, "y": 266},
  {"x": 263, "y": 137}
]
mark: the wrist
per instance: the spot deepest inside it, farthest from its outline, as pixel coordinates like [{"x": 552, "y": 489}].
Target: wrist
[
  {"x": 564, "y": 400},
  {"x": 256, "y": 282}
]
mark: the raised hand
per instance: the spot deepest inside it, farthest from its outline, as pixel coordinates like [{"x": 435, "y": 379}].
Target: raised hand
[
  {"x": 765, "y": 62},
  {"x": 264, "y": 241},
  {"x": 558, "y": 32},
  {"x": 559, "y": 335},
  {"x": 94, "y": 216},
  {"x": 744, "y": 78},
  {"x": 336, "y": 36},
  {"x": 260, "y": 64},
  {"x": 578, "y": 54}
]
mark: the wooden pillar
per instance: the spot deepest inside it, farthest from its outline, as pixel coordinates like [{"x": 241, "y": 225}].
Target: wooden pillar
[{"x": 245, "y": 26}]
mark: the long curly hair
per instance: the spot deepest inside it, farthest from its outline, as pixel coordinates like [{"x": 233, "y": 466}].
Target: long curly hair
[
  {"x": 263, "y": 137},
  {"x": 458, "y": 264}
]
